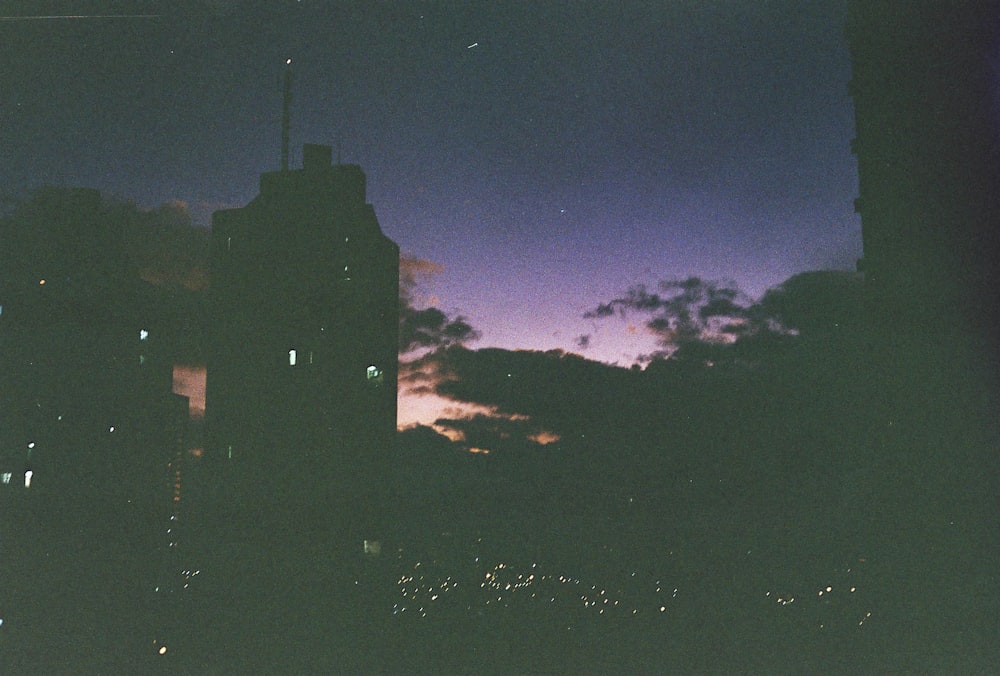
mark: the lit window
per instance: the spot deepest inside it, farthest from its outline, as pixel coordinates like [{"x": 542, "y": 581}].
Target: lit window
[
  {"x": 143, "y": 334},
  {"x": 27, "y": 478},
  {"x": 292, "y": 357},
  {"x": 6, "y": 477}
]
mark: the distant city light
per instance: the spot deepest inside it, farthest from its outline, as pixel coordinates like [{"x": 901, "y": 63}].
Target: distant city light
[{"x": 143, "y": 334}]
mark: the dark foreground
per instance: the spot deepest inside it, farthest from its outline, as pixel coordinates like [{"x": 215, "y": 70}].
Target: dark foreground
[{"x": 810, "y": 521}]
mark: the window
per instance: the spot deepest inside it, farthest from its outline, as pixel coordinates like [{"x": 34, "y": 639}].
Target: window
[{"x": 292, "y": 357}]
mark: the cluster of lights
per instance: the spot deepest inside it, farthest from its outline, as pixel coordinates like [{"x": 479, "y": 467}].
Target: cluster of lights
[
  {"x": 420, "y": 591},
  {"x": 431, "y": 587},
  {"x": 187, "y": 575},
  {"x": 503, "y": 585},
  {"x": 826, "y": 594}
]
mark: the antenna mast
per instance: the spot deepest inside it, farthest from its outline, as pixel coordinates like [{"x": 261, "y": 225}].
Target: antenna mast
[{"x": 286, "y": 115}]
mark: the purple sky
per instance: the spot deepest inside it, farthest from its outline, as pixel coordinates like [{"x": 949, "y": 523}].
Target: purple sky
[{"x": 546, "y": 154}]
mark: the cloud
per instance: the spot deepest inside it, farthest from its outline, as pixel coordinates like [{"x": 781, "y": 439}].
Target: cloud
[
  {"x": 413, "y": 271},
  {"x": 816, "y": 301},
  {"x": 190, "y": 381},
  {"x": 707, "y": 322},
  {"x": 425, "y": 327},
  {"x": 165, "y": 244},
  {"x": 526, "y": 394},
  {"x": 682, "y": 312}
]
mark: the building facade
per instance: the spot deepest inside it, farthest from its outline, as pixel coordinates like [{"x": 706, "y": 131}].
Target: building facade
[
  {"x": 302, "y": 362},
  {"x": 88, "y": 425},
  {"x": 926, "y": 96}
]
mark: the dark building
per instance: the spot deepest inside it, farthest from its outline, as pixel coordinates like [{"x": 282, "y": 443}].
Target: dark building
[
  {"x": 302, "y": 367},
  {"x": 926, "y": 90},
  {"x": 87, "y": 400},
  {"x": 88, "y": 424}
]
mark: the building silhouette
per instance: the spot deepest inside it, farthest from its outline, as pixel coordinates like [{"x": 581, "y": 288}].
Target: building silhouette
[
  {"x": 88, "y": 425},
  {"x": 87, "y": 401},
  {"x": 302, "y": 364},
  {"x": 926, "y": 96}
]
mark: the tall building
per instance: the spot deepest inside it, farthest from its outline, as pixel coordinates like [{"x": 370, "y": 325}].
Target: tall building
[
  {"x": 926, "y": 90},
  {"x": 86, "y": 400},
  {"x": 302, "y": 366},
  {"x": 88, "y": 423}
]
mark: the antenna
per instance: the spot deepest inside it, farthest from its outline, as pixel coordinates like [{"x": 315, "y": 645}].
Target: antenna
[{"x": 286, "y": 115}]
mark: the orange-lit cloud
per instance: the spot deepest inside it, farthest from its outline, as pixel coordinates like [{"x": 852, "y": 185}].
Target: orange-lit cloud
[
  {"x": 190, "y": 381},
  {"x": 413, "y": 270},
  {"x": 544, "y": 438}
]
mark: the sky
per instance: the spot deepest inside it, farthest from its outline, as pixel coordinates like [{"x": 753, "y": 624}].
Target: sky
[{"x": 543, "y": 156}]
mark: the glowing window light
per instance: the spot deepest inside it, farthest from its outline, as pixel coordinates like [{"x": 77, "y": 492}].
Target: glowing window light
[
  {"x": 27, "y": 478},
  {"x": 143, "y": 334},
  {"x": 6, "y": 477},
  {"x": 292, "y": 357}
]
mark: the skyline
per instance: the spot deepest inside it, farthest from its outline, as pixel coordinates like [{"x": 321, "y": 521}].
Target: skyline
[
  {"x": 649, "y": 427},
  {"x": 543, "y": 158}
]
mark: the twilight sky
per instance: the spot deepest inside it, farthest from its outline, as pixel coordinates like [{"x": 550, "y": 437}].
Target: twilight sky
[{"x": 545, "y": 155}]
